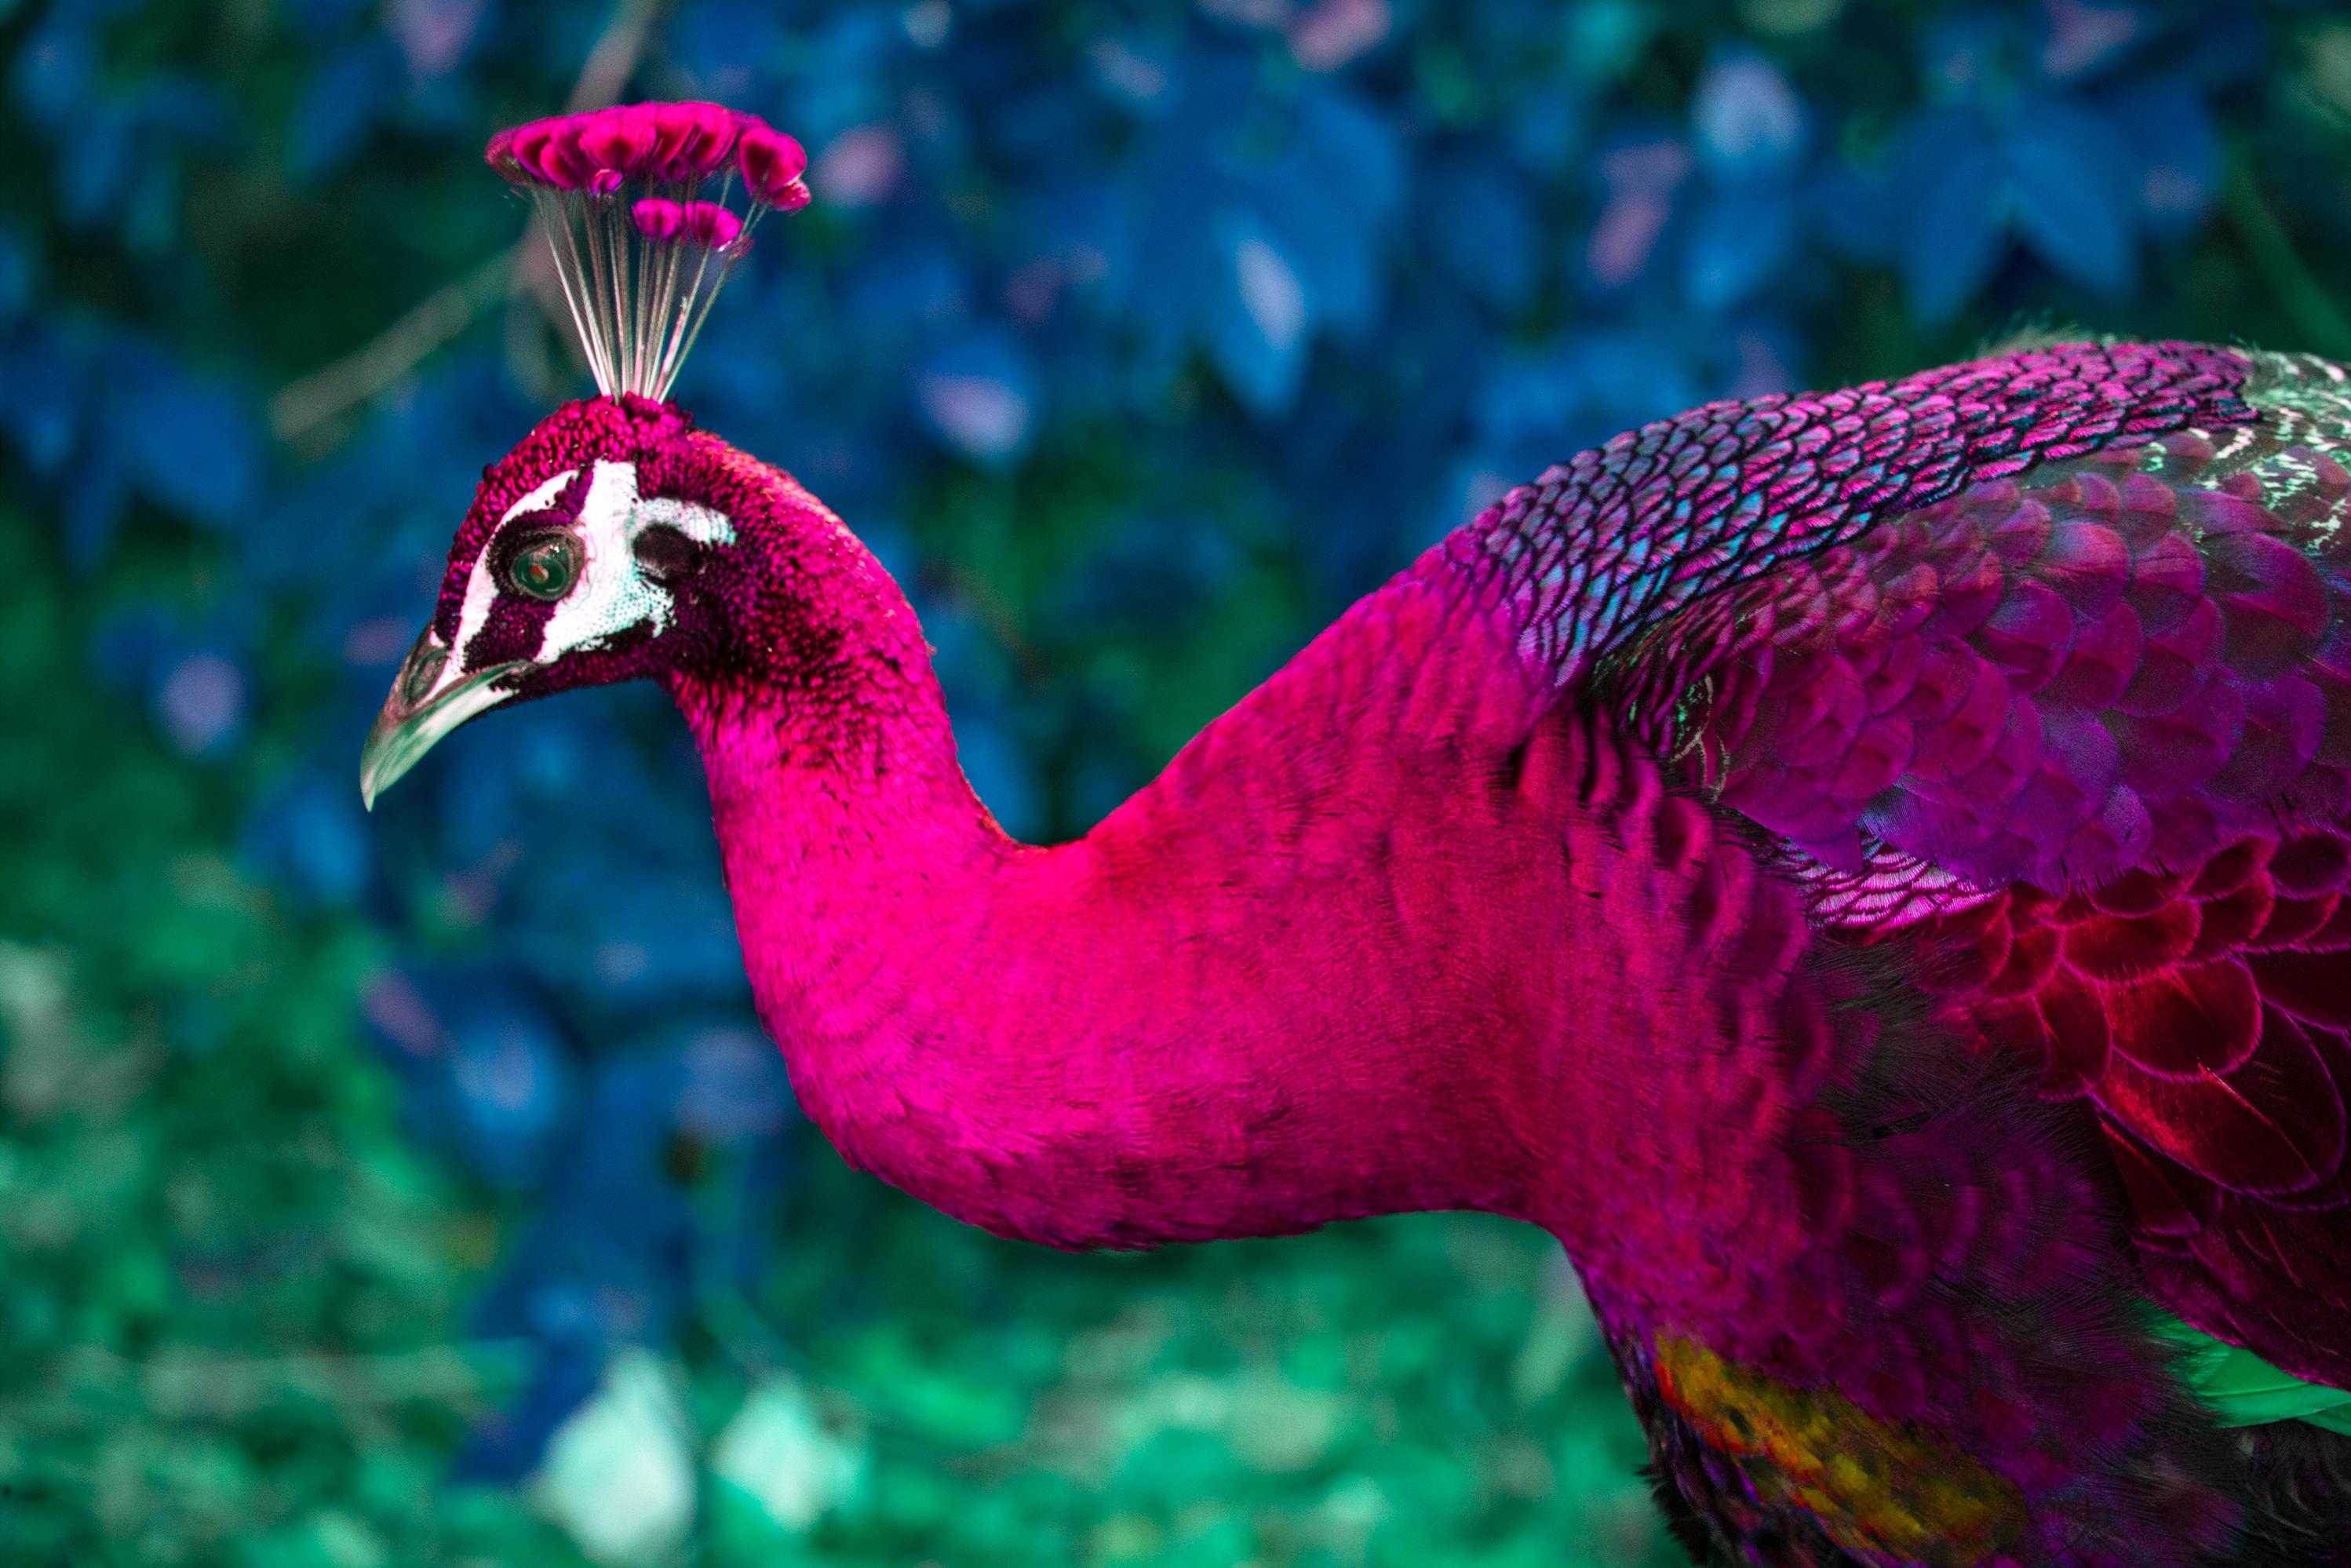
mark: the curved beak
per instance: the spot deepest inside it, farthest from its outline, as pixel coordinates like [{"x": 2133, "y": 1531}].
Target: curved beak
[{"x": 428, "y": 698}]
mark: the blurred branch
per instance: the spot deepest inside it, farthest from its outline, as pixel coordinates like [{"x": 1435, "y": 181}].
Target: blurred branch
[
  {"x": 191, "y": 1386},
  {"x": 194, "y": 1386},
  {"x": 304, "y": 405},
  {"x": 2316, "y": 315},
  {"x": 994, "y": 610},
  {"x": 614, "y": 58}
]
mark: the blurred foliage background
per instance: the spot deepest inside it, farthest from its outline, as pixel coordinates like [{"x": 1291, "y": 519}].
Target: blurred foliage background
[{"x": 417, "y": 1188}]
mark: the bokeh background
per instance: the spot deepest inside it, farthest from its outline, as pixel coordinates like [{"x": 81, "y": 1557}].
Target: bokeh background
[{"x": 418, "y": 1188}]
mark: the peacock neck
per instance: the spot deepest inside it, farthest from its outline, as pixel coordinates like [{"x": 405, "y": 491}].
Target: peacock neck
[
  {"x": 856, "y": 854},
  {"x": 1370, "y": 944}
]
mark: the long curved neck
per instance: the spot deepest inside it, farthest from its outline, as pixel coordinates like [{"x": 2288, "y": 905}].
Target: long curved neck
[
  {"x": 856, "y": 853},
  {"x": 1363, "y": 947}
]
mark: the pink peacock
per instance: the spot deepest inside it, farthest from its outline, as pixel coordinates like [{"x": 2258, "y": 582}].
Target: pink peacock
[{"x": 1868, "y": 871}]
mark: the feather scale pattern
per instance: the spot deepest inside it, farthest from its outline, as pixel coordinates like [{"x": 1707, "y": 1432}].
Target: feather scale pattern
[
  {"x": 2049, "y": 701},
  {"x": 2085, "y": 736}
]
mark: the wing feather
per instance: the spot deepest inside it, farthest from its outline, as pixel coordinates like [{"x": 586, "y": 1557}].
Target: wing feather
[{"x": 2082, "y": 736}]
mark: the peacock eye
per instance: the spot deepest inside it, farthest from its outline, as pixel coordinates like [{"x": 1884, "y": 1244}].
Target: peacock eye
[{"x": 546, "y": 567}]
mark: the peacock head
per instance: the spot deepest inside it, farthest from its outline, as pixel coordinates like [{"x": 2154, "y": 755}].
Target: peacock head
[{"x": 586, "y": 556}]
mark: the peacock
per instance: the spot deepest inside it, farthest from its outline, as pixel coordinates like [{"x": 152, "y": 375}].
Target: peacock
[{"x": 1866, "y": 871}]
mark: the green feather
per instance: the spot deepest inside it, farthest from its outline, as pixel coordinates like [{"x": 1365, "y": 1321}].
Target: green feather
[{"x": 2243, "y": 1390}]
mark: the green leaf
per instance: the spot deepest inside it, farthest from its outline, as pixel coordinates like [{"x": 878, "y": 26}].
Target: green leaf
[{"x": 2246, "y": 1391}]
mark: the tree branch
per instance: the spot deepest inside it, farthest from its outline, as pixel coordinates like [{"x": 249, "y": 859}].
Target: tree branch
[{"x": 304, "y": 405}]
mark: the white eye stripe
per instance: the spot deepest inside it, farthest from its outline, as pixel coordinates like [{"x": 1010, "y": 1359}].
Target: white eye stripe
[
  {"x": 481, "y": 585},
  {"x": 697, "y": 522},
  {"x": 613, "y": 596}
]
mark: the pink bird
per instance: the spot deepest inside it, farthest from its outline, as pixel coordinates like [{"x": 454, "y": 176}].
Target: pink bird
[{"x": 1869, "y": 872}]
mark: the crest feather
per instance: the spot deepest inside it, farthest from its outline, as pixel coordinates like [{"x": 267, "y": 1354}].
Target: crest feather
[{"x": 641, "y": 239}]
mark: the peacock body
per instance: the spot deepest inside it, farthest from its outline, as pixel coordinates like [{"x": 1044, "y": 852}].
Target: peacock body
[{"x": 1865, "y": 871}]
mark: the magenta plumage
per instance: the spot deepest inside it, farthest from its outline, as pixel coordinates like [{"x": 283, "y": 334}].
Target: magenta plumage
[{"x": 1865, "y": 871}]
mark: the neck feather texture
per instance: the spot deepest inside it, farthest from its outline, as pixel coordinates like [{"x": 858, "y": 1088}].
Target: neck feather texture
[{"x": 1399, "y": 931}]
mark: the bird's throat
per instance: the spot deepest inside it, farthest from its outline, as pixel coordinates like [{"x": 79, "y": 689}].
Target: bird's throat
[
  {"x": 1371, "y": 943},
  {"x": 1219, "y": 1013}
]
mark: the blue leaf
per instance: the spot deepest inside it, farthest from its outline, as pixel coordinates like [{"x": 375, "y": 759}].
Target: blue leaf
[
  {"x": 735, "y": 1090},
  {"x": 1483, "y": 228},
  {"x": 96, "y": 165},
  {"x": 1147, "y": 571},
  {"x": 714, "y": 40},
  {"x": 1260, "y": 315},
  {"x": 15, "y": 275},
  {"x": 345, "y": 97},
  {"x": 978, "y": 396},
  {"x": 489, "y": 1068},
  {"x": 184, "y": 107},
  {"x": 1325, "y": 243},
  {"x": 510, "y": 1083},
  {"x": 841, "y": 75},
  {"x": 1854, "y": 210},
  {"x": 2235, "y": 46},
  {"x": 1177, "y": 276},
  {"x": 1631, "y": 376},
  {"x": 1352, "y": 150},
  {"x": 188, "y": 444},
  {"x": 908, "y": 287},
  {"x": 1740, "y": 240},
  {"x": 201, "y": 702},
  {"x": 315, "y": 19},
  {"x": 1084, "y": 234},
  {"x": 131, "y": 645},
  {"x": 1527, "y": 402},
  {"x": 2075, "y": 202},
  {"x": 56, "y": 70},
  {"x": 506, "y": 1446},
  {"x": 2176, "y": 150},
  {"x": 93, "y": 503},
  {"x": 308, "y": 838},
  {"x": 42, "y": 383},
  {"x": 633, "y": 928},
  {"x": 1951, "y": 182},
  {"x": 1328, "y": 203},
  {"x": 1549, "y": 130},
  {"x": 972, "y": 665},
  {"x": 1745, "y": 119}
]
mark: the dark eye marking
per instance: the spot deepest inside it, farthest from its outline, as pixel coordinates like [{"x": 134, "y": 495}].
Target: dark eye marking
[
  {"x": 666, "y": 553},
  {"x": 544, "y": 566}
]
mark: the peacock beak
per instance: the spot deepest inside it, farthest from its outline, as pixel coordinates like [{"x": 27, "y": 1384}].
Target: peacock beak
[{"x": 428, "y": 698}]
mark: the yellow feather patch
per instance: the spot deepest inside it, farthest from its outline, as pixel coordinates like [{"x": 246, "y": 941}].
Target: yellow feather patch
[{"x": 1875, "y": 1485}]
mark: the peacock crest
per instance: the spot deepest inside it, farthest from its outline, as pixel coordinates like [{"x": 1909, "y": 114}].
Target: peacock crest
[{"x": 640, "y": 205}]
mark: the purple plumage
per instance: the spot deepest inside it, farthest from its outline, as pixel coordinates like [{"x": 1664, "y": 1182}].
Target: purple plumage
[
  {"x": 1865, "y": 871},
  {"x": 2032, "y": 672}
]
